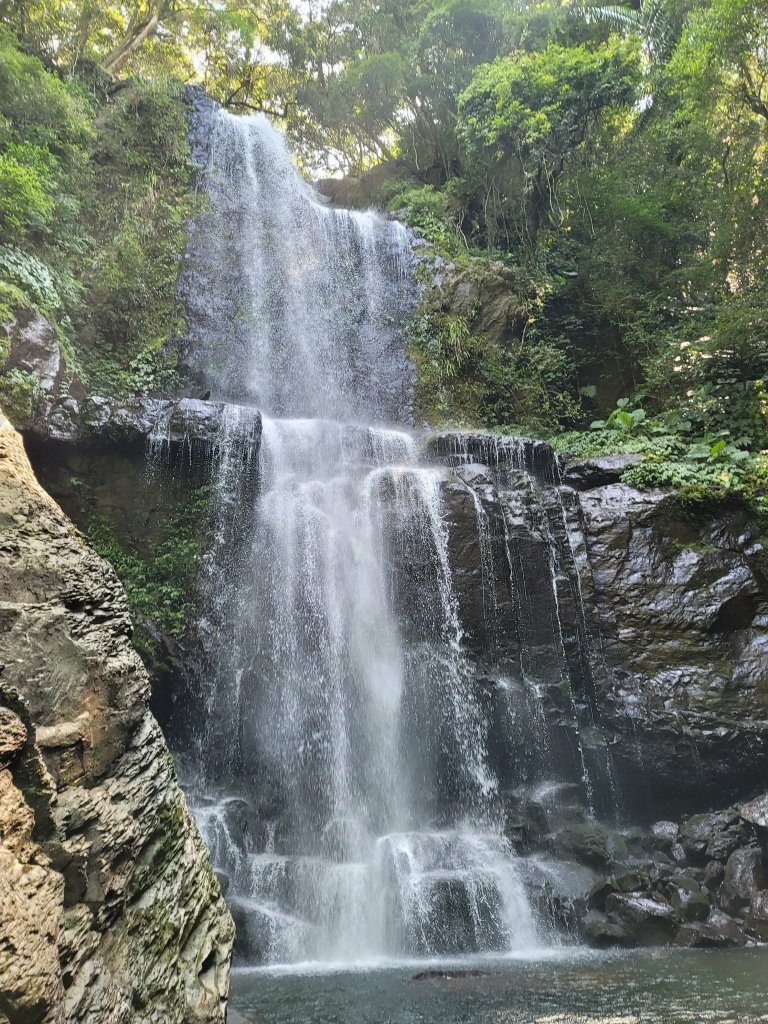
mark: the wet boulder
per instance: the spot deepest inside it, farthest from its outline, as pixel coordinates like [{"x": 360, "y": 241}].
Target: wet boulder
[
  {"x": 686, "y": 896},
  {"x": 744, "y": 877},
  {"x": 243, "y": 825},
  {"x": 628, "y": 881},
  {"x": 756, "y": 918},
  {"x": 717, "y": 932},
  {"x": 665, "y": 833},
  {"x": 713, "y": 874},
  {"x": 600, "y": 931},
  {"x": 453, "y": 921},
  {"x": 586, "y": 474},
  {"x": 589, "y": 843},
  {"x": 756, "y": 812},
  {"x": 649, "y": 920},
  {"x": 714, "y": 836}
]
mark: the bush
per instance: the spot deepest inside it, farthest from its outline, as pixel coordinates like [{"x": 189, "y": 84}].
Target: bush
[
  {"x": 426, "y": 210},
  {"x": 159, "y": 582},
  {"x": 466, "y": 378}
]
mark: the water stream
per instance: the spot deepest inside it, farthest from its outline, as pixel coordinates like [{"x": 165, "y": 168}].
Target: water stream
[{"x": 345, "y": 779}]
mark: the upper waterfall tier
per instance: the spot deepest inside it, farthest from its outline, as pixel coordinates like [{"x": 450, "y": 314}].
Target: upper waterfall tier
[{"x": 292, "y": 305}]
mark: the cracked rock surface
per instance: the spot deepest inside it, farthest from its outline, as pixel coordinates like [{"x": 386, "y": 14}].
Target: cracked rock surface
[{"x": 109, "y": 910}]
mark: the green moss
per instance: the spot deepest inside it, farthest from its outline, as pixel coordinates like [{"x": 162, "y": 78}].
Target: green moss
[
  {"x": 160, "y": 580},
  {"x": 17, "y": 390}
]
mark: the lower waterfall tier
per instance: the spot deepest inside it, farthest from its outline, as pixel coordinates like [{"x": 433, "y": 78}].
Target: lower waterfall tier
[
  {"x": 610, "y": 647},
  {"x": 346, "y": 701},
  {"x": 411, "y": 894}
]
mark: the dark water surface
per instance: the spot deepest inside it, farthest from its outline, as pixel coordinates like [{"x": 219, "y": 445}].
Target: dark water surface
[{"x": 659, "y": 986}]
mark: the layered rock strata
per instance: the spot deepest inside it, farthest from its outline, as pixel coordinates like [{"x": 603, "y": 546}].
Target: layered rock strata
[{"x": 109, "y": 910}]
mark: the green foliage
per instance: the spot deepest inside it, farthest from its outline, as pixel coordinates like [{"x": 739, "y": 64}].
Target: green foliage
[
  {"x": 427, "y": 211},
  {"x": 43, "y": 131},
  {"x": 466, "y": 378},
  {"x": 621, "y": 418},
  {"x": 93, "y": 195},
  {"x": 17, "y": 389},
  {"x": 30, "y": 277},
  {"x": 26, "y": 190},
  {"x": 159, "y": 581},
  {"x": 683, "y": 450},
  {"x": 145, "y": 190},
  {"x": 657, "y": 22},
  {"x": 522, "y": 119},
  {"x": 11, "y": 299}
]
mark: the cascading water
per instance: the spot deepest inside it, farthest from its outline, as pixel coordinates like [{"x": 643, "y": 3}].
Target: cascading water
[
  {"x": 294, "y": 306},
  {"x": 343, "y": 777}
]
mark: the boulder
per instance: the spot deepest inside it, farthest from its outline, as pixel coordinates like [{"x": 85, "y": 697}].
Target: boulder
[
  {"x": 587, "y": 474},
  {"x": 598, "y": 930},
  {"x": 647, "y": 919},
  {"x": 718, "y": 931},
  {"x": 686, "y": 896},
  {"x": 756, "y": 918},
  {"x": 714, "y": 835},
  {"x": 756, "y": 812},
  {"x": 588, "y": 843},
  {"x": 713, "y": 874},
  {"x": 492, "y": 295},
  {"x": 665, "y": 833},
  {"x": 678, "y": 854},
  {"x": 744, "y": 877}
]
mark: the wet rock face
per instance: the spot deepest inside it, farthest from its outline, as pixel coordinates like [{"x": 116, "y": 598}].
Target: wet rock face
[
  {"x": 490, "y": 294},
  {"x": 682, "y": 616},
  {"x": 109, "y": 910},
  {"x": 34, "y": 349},
  {"x": 655, "y": 626},
  {"x": 188, "y": 423}
]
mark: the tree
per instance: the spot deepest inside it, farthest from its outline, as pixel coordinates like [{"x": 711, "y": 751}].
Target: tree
[
  {"x": 658, "y": 23},
  {"x": 521, "y": 120}
]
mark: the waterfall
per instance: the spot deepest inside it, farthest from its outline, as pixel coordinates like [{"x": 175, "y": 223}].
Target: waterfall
[
  {"x": 294, "y": 306},
  {"x": 343, "y": 777}
]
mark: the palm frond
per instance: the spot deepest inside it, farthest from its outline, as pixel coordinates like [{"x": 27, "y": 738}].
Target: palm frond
[{"x": 658, "y": 22}]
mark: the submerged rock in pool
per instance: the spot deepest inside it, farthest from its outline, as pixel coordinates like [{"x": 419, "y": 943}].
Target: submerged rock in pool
[{"x": 448, "y": 975}]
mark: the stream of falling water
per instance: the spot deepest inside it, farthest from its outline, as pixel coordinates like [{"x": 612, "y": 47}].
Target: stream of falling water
[{"x": 343, "y": 781}]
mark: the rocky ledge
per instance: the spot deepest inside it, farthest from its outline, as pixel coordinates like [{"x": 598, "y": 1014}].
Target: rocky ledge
[
  {"x": 56, "y": 408},
  {"x": 109, "y": 910},
  {"x": 700, "y": 883}
]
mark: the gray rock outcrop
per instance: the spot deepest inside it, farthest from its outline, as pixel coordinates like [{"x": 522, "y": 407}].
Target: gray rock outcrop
[
  {"x": 681, "y": 611},
  {"x": 109, "y": 910}
]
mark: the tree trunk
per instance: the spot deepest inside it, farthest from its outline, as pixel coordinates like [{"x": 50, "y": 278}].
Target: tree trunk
[{"x": 134, "y": 38}]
